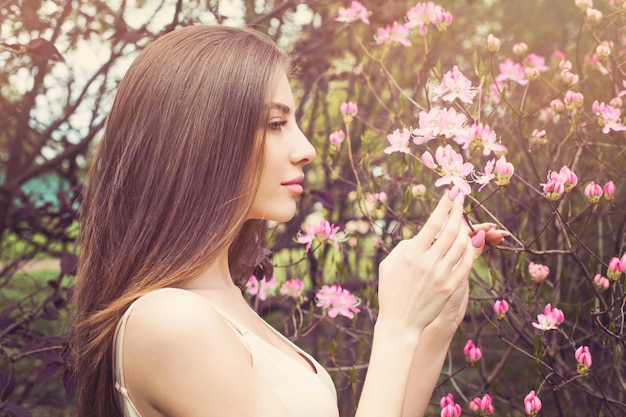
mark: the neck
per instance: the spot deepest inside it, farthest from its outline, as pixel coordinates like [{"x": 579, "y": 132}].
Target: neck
[{"x": 216, "y": 276}]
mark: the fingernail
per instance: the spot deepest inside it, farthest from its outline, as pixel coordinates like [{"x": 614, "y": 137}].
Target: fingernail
[
  {"x": 453, "y": 193},
  {"x": 478, "y": 240}
]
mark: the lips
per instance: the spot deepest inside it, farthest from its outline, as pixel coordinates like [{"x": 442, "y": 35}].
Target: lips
[{"x": 295, "y": 185}]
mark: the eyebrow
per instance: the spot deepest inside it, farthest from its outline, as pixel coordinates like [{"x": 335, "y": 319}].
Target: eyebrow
[{"x": 282, "y": 107}]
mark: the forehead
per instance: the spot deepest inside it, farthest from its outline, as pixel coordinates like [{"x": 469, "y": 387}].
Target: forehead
[{"x": 283, "y": 94}]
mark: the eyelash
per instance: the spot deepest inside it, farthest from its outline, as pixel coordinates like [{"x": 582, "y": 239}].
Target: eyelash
[{"x": 278, "y": 125}]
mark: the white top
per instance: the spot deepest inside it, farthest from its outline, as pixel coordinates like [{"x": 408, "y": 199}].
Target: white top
[{"x": 304, "y": 393}]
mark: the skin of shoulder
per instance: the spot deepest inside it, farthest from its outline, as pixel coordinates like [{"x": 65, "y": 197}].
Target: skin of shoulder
[{"x": 182, "y": 359}]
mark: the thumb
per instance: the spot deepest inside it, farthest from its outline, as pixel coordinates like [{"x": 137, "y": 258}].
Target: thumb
[{"x": 478, "y": 242}]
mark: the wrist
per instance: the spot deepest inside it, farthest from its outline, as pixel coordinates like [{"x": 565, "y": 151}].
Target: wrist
[
  {"x": 442, "y": 330},
  {"x": 391, "y": 330}
]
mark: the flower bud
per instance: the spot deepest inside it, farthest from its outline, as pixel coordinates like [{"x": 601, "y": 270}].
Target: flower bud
[
  {"x": 609, "y": 190},
  {"x": 532, "y": 404},
  {"x": 472, "y": 352},
  {"x": 336, "y": 138},
  {"x": 493, "y": 44},
  {"x": 557, "y": 105},
  {"x": 583, "y": 358},
  {"x": 418, "y": 190},
  {"x": 584, "y": 5},
  {"x": 531, "y": 73},
  {"x": 348, "y": 110},
  {"x": 569, "y": 78},
  {"x": 603, "y": 51},
  {"x": 593, "y": 192},
  {"x": 538, "y": 137},
  {"x": 565, "y": 64},
  {"x": 503, "y": 171},
  {"x": 538, "y": 272},
  {"x": 481, "y": 406},
  {"x": 616, "y": 102},
  {"x": 500, "y": 307},
  {"x": 593, "y": 16},
  {"x": 520, "y": 49},
  {"x": 614, "y": 271},
  {"x": 601, "y": 283}
]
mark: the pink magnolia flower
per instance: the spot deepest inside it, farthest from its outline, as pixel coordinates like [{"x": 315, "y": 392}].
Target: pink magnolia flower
[
  {"x": 550, "y": 319},
  {"x": 338, "y": 301},
  {"x": 583, "y": 358},
  {"x": 480, "y": 137},
  {"x": 262, "y": 289},
  {"x": 538, "y": 272},
  {"x": 393, "y": 33},
  {"x": 481, "y": 407},
  {"x": 399, "y": 141},
  {"x": 615, "y": 269},
  {"x": 337, "y": 137},
  {"x": 609, "y": 190},
  {"x": 355, "y": 12},
  {"x": 451, "y": 168},
  {"x": 500, "y": 307},
  {"x": 503, "y": 171},
  {"x": 292, "y": 288},
  {"x": 559, "y": 183},
  {"x": 593, "y": 192},
  {"x": 532, "y": 404},
  {"x": 448, "y": 407},
  {"x": 438, "y": 123},
  {"x": 322, "y": 232},
  {"x": 472, "y": 352},
  {"x": 553, "y": 189},
  {"x": 608, "y": 117},
  {"x": 600, "y": 282},
  {"x": 455, "y": 85},
  {"x": 512, "y": 71},
  {"x": 423, "y": 14}
]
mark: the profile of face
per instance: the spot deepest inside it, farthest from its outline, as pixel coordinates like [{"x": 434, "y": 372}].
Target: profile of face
[{"x": 287, "y": 151}]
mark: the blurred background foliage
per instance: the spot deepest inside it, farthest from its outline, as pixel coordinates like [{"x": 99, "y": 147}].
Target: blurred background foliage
[{"x": 60, "y": 63}]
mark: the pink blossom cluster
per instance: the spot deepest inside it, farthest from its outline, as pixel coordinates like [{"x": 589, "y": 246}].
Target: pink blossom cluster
[
  {"x": 393, "y": 33},
  {"x": 448, "y": 407},
  {"x": 481, "y": 407},
  {"x": 293, "y": 288},
  {"x": 608, "y": 117},
  {"x": 355, "y": 12},
  {"x": 601, "y": 283},
  {"x": 438, "y": 123},
  {"x": 454, "y": 85},
  {"x": 616, "y": 267},
  {"x": 348, "y": 111},
  {"x": 423, "y": 14},
  {"x": 398, "y": 141},
  {"x": 559, "y": 183},
  {"x": 479, "y": 137},
  {"x": 472, "y": 352},
  {"x": 532, "y": 404},
  {"x": 338, "y": 301},
  {"x": 550, "y": 319},
  {"x": 583, "y": 359},
  {"x": 263, "y": 289},
  {"x": 337, "y": 137},
  {"x": 322, "y": 232},
  {"x": 501, "y": 170},
  {"x": 538, "y": 272},
  {"x": 451, "y": 167}
]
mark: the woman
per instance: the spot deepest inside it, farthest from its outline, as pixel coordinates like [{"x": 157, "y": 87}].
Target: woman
[{"x": 201, "y": 148}]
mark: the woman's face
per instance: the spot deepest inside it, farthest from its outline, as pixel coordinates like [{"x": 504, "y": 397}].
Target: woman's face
[{"x": 287, "y": 151}]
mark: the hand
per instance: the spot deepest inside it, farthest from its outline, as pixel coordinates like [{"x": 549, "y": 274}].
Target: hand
[{"x": 419, "y": 277}]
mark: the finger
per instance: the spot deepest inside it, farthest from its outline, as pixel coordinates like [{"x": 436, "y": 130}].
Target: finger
[
  {"x": 481, "y": 226},
  {"x": 478, "y": 243},
  {"x": 435, "y": 222},
  {"x": 453, "y": 254},
  {"x": 454, "y": 226}
]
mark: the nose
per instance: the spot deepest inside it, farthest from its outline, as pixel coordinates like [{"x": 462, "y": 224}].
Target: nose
[{"x": 303, "y": 151}]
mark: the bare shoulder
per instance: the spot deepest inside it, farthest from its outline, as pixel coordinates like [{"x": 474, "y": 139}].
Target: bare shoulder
[{"x": 177, "y": 349}]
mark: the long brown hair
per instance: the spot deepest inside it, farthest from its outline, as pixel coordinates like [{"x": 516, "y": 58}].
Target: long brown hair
[{"x": 171, "y": 184}]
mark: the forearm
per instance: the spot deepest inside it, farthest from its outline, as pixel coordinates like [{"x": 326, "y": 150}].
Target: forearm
[
  {"x": 425, "y": 369},
  {"x": 388, "y": 372}
]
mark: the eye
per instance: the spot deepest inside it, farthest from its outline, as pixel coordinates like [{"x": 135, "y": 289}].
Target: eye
[{"x": 277, "y": 125}]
